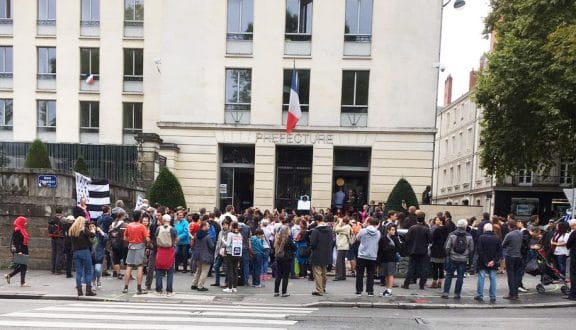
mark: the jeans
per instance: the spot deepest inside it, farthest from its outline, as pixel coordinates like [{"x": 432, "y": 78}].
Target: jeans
[
  {"x": 416, "y": 269},
  {"x": 460, "y": 268},
  {"x": 232, "y": 270},
  {"x": 169, "y": 279},
  {"x": 514, "y": 272},
  {"x": 68, "y": 255},
  {"x": 370, "y": 267},
  {"x": 97, "y": 272},
  {"x": 480, "y": 287},
  {"x": 57, "y": 254},
  {"x": 256, "y": 268},
  {"x": 283, "y": 274},
  {"x": 265, "y": 261},
  {"x": 561, "y": 260},
  {"x": 182, "y": 256},
  {"x": 245, "y": 265},
  {"x": 219, "y": 263},
  {"x": 341, "y": 264},
  {"x": 83, "y": 263}
]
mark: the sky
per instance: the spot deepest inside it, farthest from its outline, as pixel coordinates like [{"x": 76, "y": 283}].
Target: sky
[{"x": 462, "y": 44}]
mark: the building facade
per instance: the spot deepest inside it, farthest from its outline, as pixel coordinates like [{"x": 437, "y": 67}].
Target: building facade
[
  {"x": 205, "y": 87},
  {"x": 459, "y": 180}
]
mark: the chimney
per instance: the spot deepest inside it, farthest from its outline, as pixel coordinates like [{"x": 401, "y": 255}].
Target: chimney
[
  {"x": 472, "y": 81},
  {"x": 482, "y": 63},
  {"x": 448, "y": 90}
]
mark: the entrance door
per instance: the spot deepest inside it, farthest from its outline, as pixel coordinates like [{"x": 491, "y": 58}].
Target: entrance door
[
  {"x": 293, "y": 175},
  {"x": 351, "y": 175},
  {"x": 243, "y": 188},
  {"x": 236, "y": 177}
]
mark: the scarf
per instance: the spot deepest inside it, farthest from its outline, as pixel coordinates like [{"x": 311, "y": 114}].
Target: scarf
[{"x": 19, "y": 226}]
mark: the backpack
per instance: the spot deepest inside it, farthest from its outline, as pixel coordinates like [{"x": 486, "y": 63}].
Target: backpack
[
  {"x": 164, "y": 237},
  {"x": 460, "y": 244},
  {"x": 212, "y": 233},
  {"x": 116, "y": 236},
  {"x": 54, "y": 228}
]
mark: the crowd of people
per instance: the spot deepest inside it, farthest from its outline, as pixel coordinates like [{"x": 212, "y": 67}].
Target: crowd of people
[{"x": 241, "y": 249}]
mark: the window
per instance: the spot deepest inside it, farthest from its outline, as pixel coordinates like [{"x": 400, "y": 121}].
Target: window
[
  {"x": 355, "y": 91},
  {"x": 451, "y": 176},
  {"x": 47, "y": 62},
  {"x": 47, "y": 11},
  {"x": 303, "y": 78},
  {"x": 132, "y": 116},
  {"x": 444, "y": 178},
  {"x": 358, "y": 20},
  {"x": 89, "y": 61},
  {"x": 298, "y": 20},
  {"x": 458, "y": 174},
  {"x": 6, "y": 11},
  {"x": 134, "y": 11},
  {"x": 460, "y": 142},
  {"x": 565, "y": 177},
  {"x": 524, "y": 177},
  {"x": 6, "y": 62},
  {"x": 6, "y": 113},
  {"x": 238, "y": 89},
  {"x": 47, "y": 114},
  {"x": 90, "y": 12},
  {"x": 470, "y": 141},
  {"x": 240, "y": 19},
  {"x": 453, "y": 146},
  {"x": 89, "y": 115},
  {"x": 133, "y": 64}
]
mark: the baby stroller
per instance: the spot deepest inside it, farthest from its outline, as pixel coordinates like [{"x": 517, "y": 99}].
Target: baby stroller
[{"x": 548, "y": 273}]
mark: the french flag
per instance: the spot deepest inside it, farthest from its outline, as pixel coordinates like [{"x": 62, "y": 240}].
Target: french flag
[
  {"x": 294, "y": 112},
  {"x": 90, "y": 79}
]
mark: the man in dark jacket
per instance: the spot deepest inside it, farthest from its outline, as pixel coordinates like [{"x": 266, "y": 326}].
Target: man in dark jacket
[
  {"x": 571, "y": 244},
  {"x": 489, "y": 249},
  {"x": 485, "y": 220},
  {"x": 56, "y": 234},
  {"x": 321, "y": 257},
  {"x": 512, "y": 246},
  {"x": 103, "y": 222},
  {"x": 417, "y": 240}
]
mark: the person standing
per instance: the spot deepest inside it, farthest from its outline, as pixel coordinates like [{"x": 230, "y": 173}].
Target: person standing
[
  {"x": 558, "y": 242},
  {"x": 103, "y": 222},
  {"x": 571, "y": 245},
  {"x": 151, "y": 263},
  {"x": 284, "y": 254},
  {"x": 81, "y": 210},
  {"x": 182, "y": 229},
  {"x": 438, "y": 252},
  {"x": 233, "y": 247},
  {"x": 165, "y": 239},
  {"x": 302, "y": 252},
  {"x": 512, "y": 246},
  {"x": 117, "y": 242},
  {"x": 246, "y": 233},
  {"x": 489, "y": 250},
  {"x": 203, "y": 257},
  {"x": 388, "y": 247},
  {"x": 81, "y": 245},
  {"x": 417, "y": 241},
  {"x": 19, "y": 248},
  {"x": 137, "y": 237},
  {"x": 367, "y": 255},
  {"x": 343, "y": 233},
  {"x": 219, "y": 257},
  {"x": 56, "y": 234},
  {"x": 98, "y": 241},
  {"x": 321, "y": 256},
  {"x": 258, "y": 251},
  {"x": 459, "y": 249}
]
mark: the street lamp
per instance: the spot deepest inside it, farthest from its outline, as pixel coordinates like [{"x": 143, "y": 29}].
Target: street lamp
[{"x": 457, "y": 4}]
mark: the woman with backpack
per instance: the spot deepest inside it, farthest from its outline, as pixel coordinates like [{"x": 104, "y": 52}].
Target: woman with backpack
[
  {"x": 119, "y": 248},
  {"x": 81, "y": 245},
  {"x": 284, "y": 253},
  {"x": 98, "y": 249},
  {"x": 165, "y": 239},
  {"x": 203, "y": 256},
  {"x": 19, "y": 248}
]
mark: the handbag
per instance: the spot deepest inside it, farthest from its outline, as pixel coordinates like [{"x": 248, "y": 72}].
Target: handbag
[{"x": 21, "y": 259}]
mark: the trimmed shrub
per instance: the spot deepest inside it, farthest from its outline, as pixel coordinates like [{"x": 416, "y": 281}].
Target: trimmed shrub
[
  {"x": 402, "y": 191},
  {"x": 166, "y": 190},
  {"x": 37, "y": 156},
  {"x": 80, "y": 166}
]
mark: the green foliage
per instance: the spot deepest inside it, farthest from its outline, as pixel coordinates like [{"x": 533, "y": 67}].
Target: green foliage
[
  {"x": 166, "y": 190},
  {"x": 528, "y": 91},
  {"x": 402, "y": 191},
  {"x": 80, "y": 166},
  {"x": 37, "y": 156}
]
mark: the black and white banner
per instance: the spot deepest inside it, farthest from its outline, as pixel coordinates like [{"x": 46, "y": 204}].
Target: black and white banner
[{"x": 96, "y": 191}]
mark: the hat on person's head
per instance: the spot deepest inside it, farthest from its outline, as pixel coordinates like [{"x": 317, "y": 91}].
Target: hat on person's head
[
  {"x": 488, "y": 227},
  {"x": 166, "y": 218},
  {"x": 462, "y": 223},
  {"x": 70, "y": 218}
]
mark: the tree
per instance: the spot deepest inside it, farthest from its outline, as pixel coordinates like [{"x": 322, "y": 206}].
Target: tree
[
  {"x": 528, "y": 90},
  {"x": 80, "y": 166},
  {"x": 166, "y": 190},
  {"x": 37, "y": 156},
  {"x": 402, "y": 191}
]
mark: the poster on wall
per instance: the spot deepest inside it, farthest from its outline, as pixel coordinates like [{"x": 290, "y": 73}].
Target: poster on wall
[{"x": 223, "y": 188}]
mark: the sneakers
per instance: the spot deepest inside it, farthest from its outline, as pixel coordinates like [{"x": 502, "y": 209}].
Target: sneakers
[
  {"x": 387, "y": 293},
  {"x": 284, "y": 295},
  {"x": 444, "y": 296},
  {"x": 142, "y": 291},
  {"x": 492, "y": 300},
  {"x": 194, "y": 287},
  {"x": 358, "y": 294},
  {"x": 7, "y": 277},
  {"x": 170, "y": 294},
  {"x": 234, "y": 290},
  {"x": 370, "y": 294},
  {"x": 523, "y": 290},
  {"x": 227, "y": 290},
  {"x": 125, "y": 290},
  {"x": 99, "y": 285},
  {"x": 202, "y": 289},
  {"x": 258, "y": 286},
  {"x": 158, "y": 293},
  {"x": 479, "y": 299},
  {"x": 276, "y": 294},
  {"x": 316, "y": 293},
  {"x": 215, "y": 284}
]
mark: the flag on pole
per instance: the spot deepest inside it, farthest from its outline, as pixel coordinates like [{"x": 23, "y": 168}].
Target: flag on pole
[
  {"x": 90, "y": 79},
  {"x": 294, "y": 112},
  {"x": 96, "y": 191}
]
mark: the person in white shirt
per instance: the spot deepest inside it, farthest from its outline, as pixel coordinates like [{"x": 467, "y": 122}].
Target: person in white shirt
[
  {"x": 229, "y": 213},
  {"x": 559, "y": 244}
]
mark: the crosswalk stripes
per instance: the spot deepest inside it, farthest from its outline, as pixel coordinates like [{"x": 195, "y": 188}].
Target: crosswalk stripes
[{"x": 119, "y": 315}]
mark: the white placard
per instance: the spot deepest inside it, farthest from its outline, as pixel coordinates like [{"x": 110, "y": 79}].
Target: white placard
[
  {"x": 237, "y": 246},
  {"x": 223, "y": 188}
]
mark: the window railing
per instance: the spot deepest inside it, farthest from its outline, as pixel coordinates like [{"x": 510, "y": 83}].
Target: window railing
[
  {"x": 298, "y": 36},
  {"x": 354, "y": 109},
  {"x": 133, "y": 78},
  {"x": 46, "y": 22},
  {"x": 46, "y": 76},
  {"x": 6, "y": 21},
  {"x": 84, "y": 76},
  {"x": 90, "y": 23},
  {"x": 6, "y": 75},
  {"x": 303, "y": 107},
  {"x": 239, "y": 36},
  {"x": 237, "y": 107},
  {"x": 134, "y": 23},
  {"x": 358, "y": 37}
]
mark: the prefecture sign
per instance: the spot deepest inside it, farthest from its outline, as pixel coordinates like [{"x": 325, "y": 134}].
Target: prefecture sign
[
  {"x": 47, "y": 181},
  {"x": 296, "y": 138}
]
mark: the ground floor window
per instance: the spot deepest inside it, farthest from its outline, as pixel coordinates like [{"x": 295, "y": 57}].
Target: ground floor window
[
  {"x": 236, "y": 176},
  {"x": 293, "y": 175}
]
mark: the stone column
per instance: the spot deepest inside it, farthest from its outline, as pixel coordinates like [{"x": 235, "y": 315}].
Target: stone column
[
  {"x": 148, "y": 147},
  {"x": 322, "y": 165},
  {"x": 264, "y": 176}
]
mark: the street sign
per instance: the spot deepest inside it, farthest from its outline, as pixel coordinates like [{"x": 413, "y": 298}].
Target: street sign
[{"x": 47, "y": 181}]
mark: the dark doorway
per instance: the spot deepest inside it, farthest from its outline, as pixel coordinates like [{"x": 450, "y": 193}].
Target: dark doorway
[
  {"x": 293, "y": 175},
  {"x": 354, "y": 185},
  {"x": 236, "y": 177},
  {"x": 243, "y": 188},
  {"x": 351, "y": 176}
]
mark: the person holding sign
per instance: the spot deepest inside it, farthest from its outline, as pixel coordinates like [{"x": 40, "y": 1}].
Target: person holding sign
[{"x": 233, "y": 244}]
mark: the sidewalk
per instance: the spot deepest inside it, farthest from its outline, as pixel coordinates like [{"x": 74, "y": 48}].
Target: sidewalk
[{"x": 339, "y": 294}]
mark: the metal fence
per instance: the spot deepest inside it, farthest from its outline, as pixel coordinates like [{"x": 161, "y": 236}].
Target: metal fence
[{"x": 117, "y": 163}]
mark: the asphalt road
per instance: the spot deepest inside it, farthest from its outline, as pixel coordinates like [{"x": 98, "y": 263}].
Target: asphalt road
[{"x": 35, "y": 314}]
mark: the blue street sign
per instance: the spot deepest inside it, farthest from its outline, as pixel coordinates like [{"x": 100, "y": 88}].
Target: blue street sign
[{"x": 47, "y": 181}]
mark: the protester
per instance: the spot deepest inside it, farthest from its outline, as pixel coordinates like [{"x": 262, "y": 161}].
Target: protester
[
  {"x": 183, "y": 246},
  {"x": 367, "y": 255},
  {"x": 512, "y": 246},
  {"x": 246, "y": 232},
  {"x": 257, "y": 242},
  {"x": 165, "y": 240},
  {"x": 302, "y": 242},
  {"x": 388, "y": 248},
  {"x": 81, "y": 246},
  {"x": 459, "y": 249},
  {"x": 137, "y": 237},
  {"x": 233, "y": 254},
  {"x": 81, "y": 210},
  {"x": 56, "y": 234},
  {"x": 417, "y": 241},
  {"x": 284, "y": 254},
  {"x": 558, "y": 242},
  {"x": 489, "y": 250},
  {"x": 117, "y": 242},
  {"x": 203, "y": 256},
  {"x": 220, "y": 252},
  {"x": 321, "y": 255},
  {"x": 98, "y": 240},
  {"x": 19, "y": 248},
  {"x": 103, "y": 222},
  {"x": 571, "y": 245},
  {"x": 344, "y": 235},
  {"x": 438, "y": 252}
]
